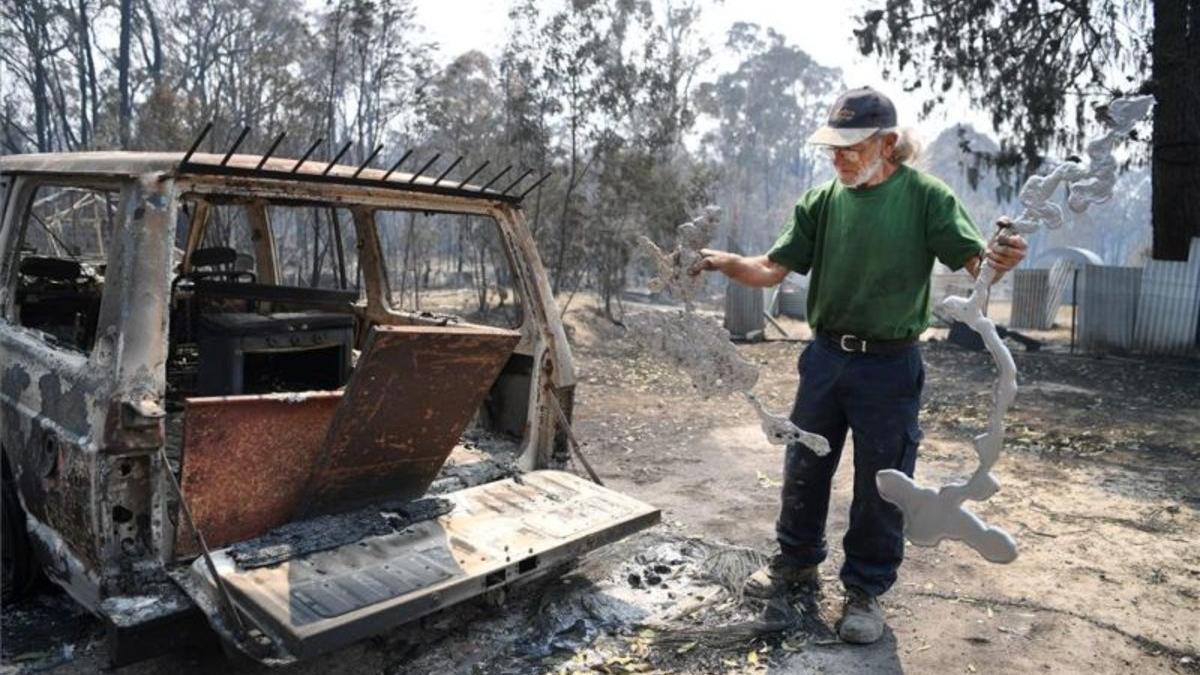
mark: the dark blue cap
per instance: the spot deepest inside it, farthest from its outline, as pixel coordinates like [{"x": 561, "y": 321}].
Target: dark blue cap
[{"x": 854, "y": 117}]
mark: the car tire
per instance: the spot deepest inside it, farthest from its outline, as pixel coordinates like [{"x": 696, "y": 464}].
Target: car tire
[{"x": 17, "y": 567}]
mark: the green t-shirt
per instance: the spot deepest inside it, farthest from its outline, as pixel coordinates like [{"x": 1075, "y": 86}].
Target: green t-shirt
[{"x": 871, "y": 252}]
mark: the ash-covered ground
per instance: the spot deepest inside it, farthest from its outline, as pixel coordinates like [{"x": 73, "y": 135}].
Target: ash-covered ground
[{"x": 1098, "y": 486}]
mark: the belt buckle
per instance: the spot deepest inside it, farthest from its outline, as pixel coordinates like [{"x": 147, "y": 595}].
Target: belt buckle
[{"x": 862, "y": 344}]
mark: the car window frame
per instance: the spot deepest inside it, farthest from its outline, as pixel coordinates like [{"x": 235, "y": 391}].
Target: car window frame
[
  {"x": 506, "y": 244},
  {"x": 14, "y": 220}
]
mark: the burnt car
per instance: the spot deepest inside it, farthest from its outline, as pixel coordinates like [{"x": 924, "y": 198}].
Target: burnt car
[{"x": 304, "y": 402}]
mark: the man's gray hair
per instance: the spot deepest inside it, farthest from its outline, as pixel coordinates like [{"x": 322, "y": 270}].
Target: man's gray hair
[{"x": 908, "y": 146}]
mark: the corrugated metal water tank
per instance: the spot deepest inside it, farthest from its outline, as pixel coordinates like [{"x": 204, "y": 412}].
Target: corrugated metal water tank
[
  {"x": 743, "y": 310},
  {"x": 1107, "y": 307},
  {"x": 1029, "y": 297},
  {"x": 793, "y": 302}
]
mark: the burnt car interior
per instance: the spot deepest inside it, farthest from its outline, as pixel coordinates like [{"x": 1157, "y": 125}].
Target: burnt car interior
[
  {"x": 237, "y": 330},
  {"x": 270, "y": 299},
  {"x": 61, "y": 271}
]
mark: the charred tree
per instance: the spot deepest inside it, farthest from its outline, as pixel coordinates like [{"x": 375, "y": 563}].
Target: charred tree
[
  {"x": 125, "y": 102},
  {"x": 1175, "y": 174}
]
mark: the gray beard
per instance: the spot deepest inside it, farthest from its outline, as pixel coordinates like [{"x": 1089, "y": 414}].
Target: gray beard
[{"x": 865, "y": 174}]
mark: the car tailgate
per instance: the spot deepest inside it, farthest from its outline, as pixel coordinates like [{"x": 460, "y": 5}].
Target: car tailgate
[{"x": 495, "y": 534}]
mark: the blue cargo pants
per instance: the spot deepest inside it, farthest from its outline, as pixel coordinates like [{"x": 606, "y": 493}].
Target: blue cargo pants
[{"x": 877, "y": 396}]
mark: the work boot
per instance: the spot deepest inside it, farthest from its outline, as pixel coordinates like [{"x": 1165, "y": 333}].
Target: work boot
[
  {"x": 779, "y": 577},
  {"x": 862, "y": 618}
]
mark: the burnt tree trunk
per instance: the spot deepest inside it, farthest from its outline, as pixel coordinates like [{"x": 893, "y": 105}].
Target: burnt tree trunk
[
  {"x": 1176, "y": 158},
  {"x": 93, "y": 93},
  {"x": 85, "y": 127},
  {"x": 155, "y": 65},
  {"x": 125, "y": 110},
  {"x": 33, "y": 17}
]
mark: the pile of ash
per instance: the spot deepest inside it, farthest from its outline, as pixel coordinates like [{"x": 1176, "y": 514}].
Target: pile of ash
[{"x": 657, "y": 601}]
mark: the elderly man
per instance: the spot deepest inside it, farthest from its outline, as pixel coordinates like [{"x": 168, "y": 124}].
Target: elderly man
[{"x": 868, "y": 241}]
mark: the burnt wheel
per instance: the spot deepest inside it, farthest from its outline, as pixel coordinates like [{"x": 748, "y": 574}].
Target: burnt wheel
[{"x": 16, "y": 557}]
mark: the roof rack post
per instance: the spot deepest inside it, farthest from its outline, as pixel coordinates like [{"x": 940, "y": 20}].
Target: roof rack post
[
  {"x": 336, "y": 157},
  {"x": 496, "y": 178},
  {"x": 270, "y": 150},
  {"x": 367, "y": 160},
  {"x": 397, "y": 164},
  {"x": 448, "y": 170},
  {"x": 428, "y": 164},
  {"x": 534, "y": 186},
  {"x": 196, "y": 143},
  {"x": 474, "y": 173},
  {"x": 232, "y": 149},
  {"x": 307, "y": 154},
  {"x": 518, "y": 180}
]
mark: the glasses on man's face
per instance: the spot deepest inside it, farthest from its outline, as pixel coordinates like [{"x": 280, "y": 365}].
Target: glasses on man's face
[{"x": 851, "y": 153}]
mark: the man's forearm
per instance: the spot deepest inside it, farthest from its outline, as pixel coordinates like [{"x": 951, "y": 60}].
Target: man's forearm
[{"x": 758, "y": 271}]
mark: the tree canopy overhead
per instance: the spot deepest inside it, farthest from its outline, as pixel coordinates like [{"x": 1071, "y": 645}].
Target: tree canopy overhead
[
  {"x": 1031, "y": 64},
  {"x": 1040, "y": 67}
]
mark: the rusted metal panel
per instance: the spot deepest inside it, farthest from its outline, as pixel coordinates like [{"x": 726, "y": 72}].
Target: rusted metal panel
[
  {"x": 245, "y": 462},
  {"x": 410, "y": 397}
]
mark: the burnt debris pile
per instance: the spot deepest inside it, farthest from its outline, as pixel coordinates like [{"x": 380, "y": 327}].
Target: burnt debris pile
[{"x": 655, "y": 601}]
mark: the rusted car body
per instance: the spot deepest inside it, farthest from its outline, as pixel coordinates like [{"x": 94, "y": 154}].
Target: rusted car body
[{"x": 188, "y": 427}]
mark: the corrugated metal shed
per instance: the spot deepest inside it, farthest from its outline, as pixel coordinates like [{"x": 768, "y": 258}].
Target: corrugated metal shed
[
  {"x": 1029, "y": 299},
  {"x": 1169, "y": 305},
  {"x": 1107, "y": 307}
]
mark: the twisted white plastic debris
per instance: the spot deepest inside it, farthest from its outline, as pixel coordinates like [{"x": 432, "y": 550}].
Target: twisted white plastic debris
[
  {"x": 781, "y": 431},
  {"x": 933, "y": 515},
  {"x": 701, "y": 347},
  {"x": 674, "y": 268}
]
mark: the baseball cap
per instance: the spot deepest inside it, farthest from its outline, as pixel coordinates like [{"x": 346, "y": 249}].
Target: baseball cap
[{"x": 854, "y": 117}]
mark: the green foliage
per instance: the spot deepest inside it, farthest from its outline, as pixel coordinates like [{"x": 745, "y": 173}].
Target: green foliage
[
  {"x": 1038, "y": 67},
  {"x": 765, "y": 109}
]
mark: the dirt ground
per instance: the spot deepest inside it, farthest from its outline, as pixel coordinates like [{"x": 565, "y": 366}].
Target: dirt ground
[{"x": 1098, "y": 486}]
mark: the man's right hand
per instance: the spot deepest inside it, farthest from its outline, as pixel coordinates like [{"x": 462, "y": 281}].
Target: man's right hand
[{"x": 712, "y": 260}]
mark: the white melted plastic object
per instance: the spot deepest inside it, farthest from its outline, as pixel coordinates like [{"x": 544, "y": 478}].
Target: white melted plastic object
[
  {"x": 931, "y": 516},
  {"x": 699, "y": 346},
  {"x": 780, "y": 430},
  {"x": 674, "y": 268}
]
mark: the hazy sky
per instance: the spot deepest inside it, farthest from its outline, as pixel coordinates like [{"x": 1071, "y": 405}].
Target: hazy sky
[{"x": 820, "y": 27}]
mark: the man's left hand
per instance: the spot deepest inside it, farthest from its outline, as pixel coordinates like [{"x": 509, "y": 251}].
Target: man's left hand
[{"x": 1007, "y": 249}]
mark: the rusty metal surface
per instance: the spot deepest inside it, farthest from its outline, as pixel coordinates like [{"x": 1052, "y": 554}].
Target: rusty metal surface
[
  {"x": 245, "y": 460},
  {"x": 411, "y": 395},
  {"x": 497, "y": 534}
]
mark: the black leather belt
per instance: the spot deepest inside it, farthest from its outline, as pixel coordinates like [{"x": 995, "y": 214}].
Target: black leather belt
[{"x": 855, "y": 344}]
